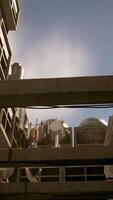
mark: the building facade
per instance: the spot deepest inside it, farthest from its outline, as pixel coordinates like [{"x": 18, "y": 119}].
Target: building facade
[{"x": 11, "y": 129}]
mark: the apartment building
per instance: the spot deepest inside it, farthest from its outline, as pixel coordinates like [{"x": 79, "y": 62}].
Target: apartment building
[{"x": 11, "y": 132}]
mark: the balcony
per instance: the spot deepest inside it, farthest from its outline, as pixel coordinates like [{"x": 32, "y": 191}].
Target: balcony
[
  {"x": 4, "y": 141},
  {"x": 5, "y": 52},
  {"x": 10, "y": 11}
]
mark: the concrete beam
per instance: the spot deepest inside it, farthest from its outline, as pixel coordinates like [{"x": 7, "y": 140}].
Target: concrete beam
[
  {"x": 57, "y": 191},
  {"x": 77, "y": 156},
  {"x": 56, "y": 91}
]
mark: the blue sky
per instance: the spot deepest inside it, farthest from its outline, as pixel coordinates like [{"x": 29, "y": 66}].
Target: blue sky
[{"x": 63, "y": 38}]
